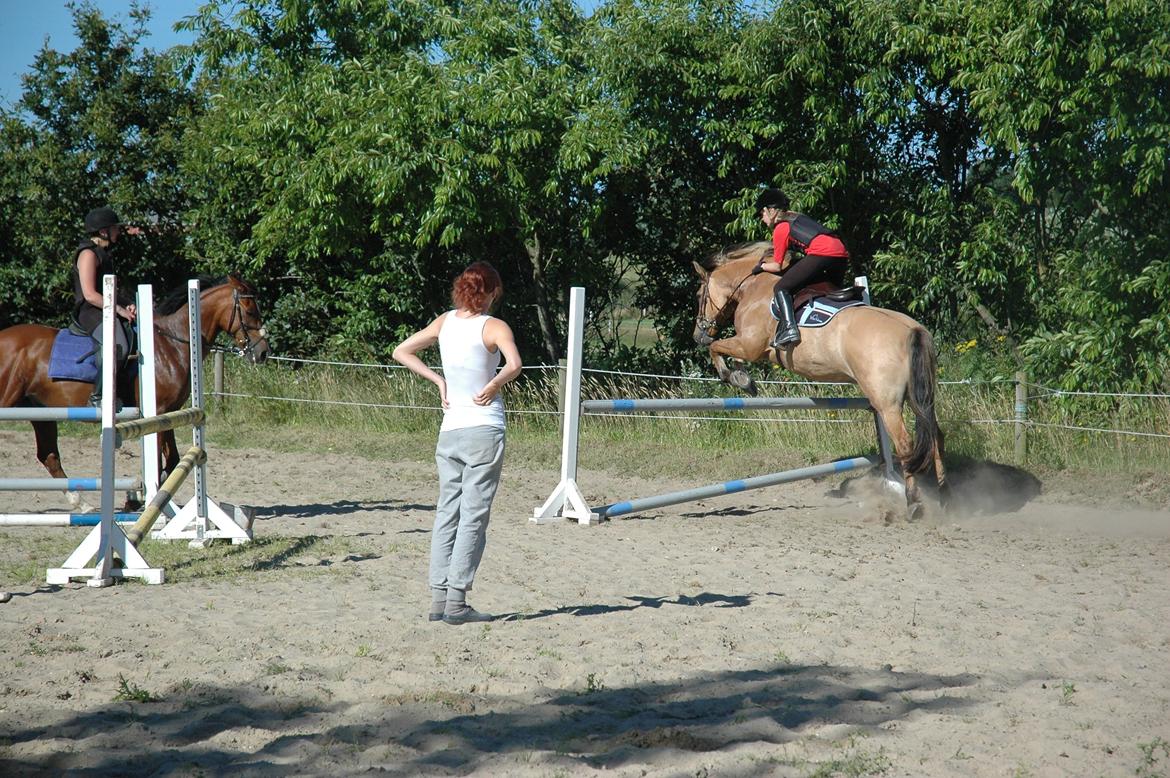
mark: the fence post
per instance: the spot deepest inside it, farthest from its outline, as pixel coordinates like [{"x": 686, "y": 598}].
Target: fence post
[{"x": 1021, "y": 417}]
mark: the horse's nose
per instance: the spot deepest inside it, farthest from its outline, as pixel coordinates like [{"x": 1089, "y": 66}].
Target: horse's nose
[
  {"x": 260, "y": 353},
  {"x": 702, "y": 338}
]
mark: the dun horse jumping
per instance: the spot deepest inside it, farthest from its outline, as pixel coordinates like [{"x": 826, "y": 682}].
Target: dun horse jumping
[
  {"x": 228, "y": 305},
  {"x": 887, "y": 354}
]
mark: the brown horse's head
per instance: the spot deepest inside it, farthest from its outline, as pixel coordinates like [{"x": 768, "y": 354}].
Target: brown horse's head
[
  {"x": 722, "y": 274},
  {"x": 244, "y": 324}
]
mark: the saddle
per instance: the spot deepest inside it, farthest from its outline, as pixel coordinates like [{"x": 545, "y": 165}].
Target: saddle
[{"x": 826, "y": 289}]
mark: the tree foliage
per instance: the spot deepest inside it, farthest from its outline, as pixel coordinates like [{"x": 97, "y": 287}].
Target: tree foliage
[{"x": 998, "y": 169}]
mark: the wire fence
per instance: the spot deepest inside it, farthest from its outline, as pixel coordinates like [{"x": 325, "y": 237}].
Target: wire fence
[{"x": 606, "y": 381}]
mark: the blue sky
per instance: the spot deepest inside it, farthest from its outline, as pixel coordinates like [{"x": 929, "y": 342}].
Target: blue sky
[{"x": 27, "y": 23}]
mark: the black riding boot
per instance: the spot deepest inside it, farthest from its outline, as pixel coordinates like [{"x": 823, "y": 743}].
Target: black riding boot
[
  {"x": 786, "y": 329},
  {"x": 95, "y": 399}
]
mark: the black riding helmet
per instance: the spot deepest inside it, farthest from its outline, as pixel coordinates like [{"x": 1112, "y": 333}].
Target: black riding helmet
[
  {"x": 771, "y": 198},
  {"x": 100, "y": 218}
]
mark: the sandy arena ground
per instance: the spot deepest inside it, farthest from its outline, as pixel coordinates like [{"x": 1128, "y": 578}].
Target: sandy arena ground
[{"x": 785, "y": 631}]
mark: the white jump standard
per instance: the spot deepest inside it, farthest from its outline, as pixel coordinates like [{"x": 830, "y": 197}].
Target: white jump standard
[
  {"x": 108, "y": 539},
  {"x": 566, "y": 501}
]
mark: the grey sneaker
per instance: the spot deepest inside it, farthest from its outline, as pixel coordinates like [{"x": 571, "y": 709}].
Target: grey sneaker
[
  {"x": 436, "y": 615},
  {"x": 465, "y": 615}
]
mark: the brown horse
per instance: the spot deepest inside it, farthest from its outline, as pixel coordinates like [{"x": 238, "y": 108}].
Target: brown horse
[
  {"x": 887, "y": 354},
  {"x": 228, "y": 305}
]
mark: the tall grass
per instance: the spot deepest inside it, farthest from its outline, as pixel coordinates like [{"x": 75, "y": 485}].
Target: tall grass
[{"x": 389, "y": 412}]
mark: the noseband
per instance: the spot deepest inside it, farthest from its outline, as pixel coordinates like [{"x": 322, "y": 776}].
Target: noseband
[{"x": 245, "y": 328}]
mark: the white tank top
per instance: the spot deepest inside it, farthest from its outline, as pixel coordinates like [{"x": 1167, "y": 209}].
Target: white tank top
[{"x": 467, "y": 367}]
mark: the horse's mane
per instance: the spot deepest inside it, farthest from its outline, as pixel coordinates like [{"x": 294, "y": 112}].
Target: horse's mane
[
  {"x": 749, "y": 250},
  {"x": 177, "y": 297}
]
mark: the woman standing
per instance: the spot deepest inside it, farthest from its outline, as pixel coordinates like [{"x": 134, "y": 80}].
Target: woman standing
[{"x": 470, "y": 451}]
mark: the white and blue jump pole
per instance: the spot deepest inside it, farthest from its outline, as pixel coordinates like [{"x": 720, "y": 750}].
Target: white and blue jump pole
[
  {"x": 61, "y": 519},
  {"x": 566, "y": 500}
]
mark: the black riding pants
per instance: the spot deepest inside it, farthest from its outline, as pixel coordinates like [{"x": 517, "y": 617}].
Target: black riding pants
[{"x": 810, "y": 270}]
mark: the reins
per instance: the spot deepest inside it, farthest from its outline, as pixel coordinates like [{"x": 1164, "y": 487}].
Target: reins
[{"x": 237, "y": 315}]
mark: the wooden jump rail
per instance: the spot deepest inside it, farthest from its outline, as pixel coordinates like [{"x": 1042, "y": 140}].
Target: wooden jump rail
[
  {"x": 187, "y": 417},
  {"x": 194, "y": 456}
]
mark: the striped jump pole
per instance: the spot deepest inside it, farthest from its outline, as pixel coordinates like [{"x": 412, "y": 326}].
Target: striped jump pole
[
  {"x": 566, "y": 500},
  {"x": 194, "y": 456},
  {"x": 60, "y": 519},
  {"x": 732, "y": 487},
  {"x": 187, "y": 417},
  {"x": 87, "y": 413},
  {"x": 728, "y": 404},
  {"x": 64, "y": 484}
]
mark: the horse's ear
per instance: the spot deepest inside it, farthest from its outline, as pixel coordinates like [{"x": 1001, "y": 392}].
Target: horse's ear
[{"x": 699, "y": 269}]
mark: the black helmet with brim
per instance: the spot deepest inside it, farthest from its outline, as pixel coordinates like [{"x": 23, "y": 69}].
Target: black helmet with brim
[
  {"x": 771, "y": 198},
  {"x": 100, "y": 218}
]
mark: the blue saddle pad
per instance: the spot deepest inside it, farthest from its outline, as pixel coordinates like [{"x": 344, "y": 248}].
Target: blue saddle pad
[{"x": 66, "y": 361}]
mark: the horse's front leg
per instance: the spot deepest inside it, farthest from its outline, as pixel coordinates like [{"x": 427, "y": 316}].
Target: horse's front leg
[
  {"x": 741, "y": 348},
  {"x": 169, "y": 451},
  {"x": 49, "y": 455}
]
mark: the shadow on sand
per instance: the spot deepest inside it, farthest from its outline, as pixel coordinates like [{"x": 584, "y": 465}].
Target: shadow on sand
[
  {"x": 241, "y": 728},
  {"x": 976, "y": 487}
]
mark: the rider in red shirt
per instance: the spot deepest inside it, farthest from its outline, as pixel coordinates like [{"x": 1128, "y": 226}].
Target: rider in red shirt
[{"x": 804, "y": 251}]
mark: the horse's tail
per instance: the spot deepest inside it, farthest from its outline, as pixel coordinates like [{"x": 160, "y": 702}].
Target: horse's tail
[{"x": 928, "y": 438}]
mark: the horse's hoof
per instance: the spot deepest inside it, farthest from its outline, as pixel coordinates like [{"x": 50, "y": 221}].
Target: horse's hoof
[
  {"x": 741, "y": 380},
  {"x": 133, "y": 502},
  {"x": 915, "y": 511}
]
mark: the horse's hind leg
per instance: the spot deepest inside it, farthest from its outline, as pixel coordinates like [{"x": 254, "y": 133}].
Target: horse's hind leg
[
  {"x": 891, "y": 416},
  {"x": 49, "y": 455}
]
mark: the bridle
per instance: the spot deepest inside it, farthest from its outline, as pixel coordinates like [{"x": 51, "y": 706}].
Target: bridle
[
  {"x": 245, "y": 328},
  {"x": 711, "y": 325}
]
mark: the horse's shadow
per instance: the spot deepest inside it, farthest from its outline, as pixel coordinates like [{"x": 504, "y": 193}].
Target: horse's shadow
[
  {"x": 702, "y": 599},
  {"x": 338, "y": 508},
  {"x": 973, "y": 486}
]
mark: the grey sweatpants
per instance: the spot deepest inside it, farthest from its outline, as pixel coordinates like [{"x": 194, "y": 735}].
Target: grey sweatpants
[{"x": 469, "y": 462}]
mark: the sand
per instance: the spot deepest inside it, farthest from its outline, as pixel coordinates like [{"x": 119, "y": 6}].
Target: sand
[{"x": 786, "y": 631}]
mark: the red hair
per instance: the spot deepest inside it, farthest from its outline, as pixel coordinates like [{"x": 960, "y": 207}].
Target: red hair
[{"x": 475, "y": 287}]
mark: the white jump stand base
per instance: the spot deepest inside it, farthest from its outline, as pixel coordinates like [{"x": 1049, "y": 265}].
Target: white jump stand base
[
  {"x": 565, "y": 502},
  {"x": 103, "y": 573},
  {"x": 224, "y": 522}
]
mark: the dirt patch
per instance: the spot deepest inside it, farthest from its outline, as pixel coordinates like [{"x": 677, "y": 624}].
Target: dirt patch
[{"x": 775, "y": 632}]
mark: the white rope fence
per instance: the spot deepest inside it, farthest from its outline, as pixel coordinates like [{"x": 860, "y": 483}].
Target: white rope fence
[{"x": 1036, "y": 392}]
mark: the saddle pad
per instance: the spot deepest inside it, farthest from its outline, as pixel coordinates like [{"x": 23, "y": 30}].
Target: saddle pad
[
  {"x": 818, "y": 312},
  {"x": 821, "y": 311},
  {"x": 66, "y": 360}
]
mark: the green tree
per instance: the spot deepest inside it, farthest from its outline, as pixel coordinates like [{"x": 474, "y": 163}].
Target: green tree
[
  {"x": 373, "y": 168},
  {"x": 101, "y": 124}
]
